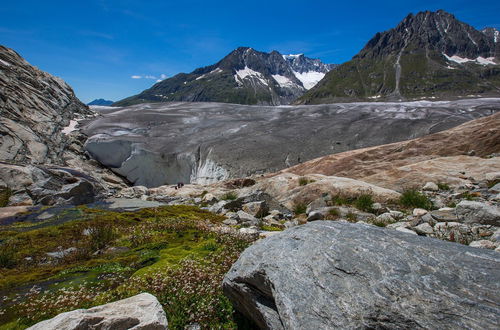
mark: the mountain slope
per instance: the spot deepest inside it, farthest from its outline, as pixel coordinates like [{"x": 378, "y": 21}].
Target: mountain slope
[
  {"x": 245, "y": 76},
  {"x": 430, "y": 54},
  {"x": 35, "y": 107},
  {"x": 100, "y": 102}
]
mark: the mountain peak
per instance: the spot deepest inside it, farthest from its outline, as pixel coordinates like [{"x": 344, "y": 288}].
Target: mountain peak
[
  {"x": 244, "y": 76},
  {"x": 428, "y": 54}
]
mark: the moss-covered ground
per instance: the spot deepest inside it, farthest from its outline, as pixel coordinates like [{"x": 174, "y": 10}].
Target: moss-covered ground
[{"x": 102, "y": 256}]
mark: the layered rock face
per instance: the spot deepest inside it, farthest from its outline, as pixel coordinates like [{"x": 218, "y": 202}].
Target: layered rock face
[
  {"x": 430, "y": 54},
  {"x": 35, "y": 107},
  {"x": 155, "y": 144},
  {"x": 451, "y": 156},
  {"x": 141, "y": 312},
  {"x": 340, "y": 275},
  {"x": 245, "y": 76}
]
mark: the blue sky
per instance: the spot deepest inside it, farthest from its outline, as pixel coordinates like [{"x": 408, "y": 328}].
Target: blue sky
[{"x": 98, "y": 45}]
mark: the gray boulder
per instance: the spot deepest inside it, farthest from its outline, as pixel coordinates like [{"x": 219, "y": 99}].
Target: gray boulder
[
  {"x": 477, "y": 212},
  {"x": 140, "y": 312},
  {"x": 355, "y": 276}
]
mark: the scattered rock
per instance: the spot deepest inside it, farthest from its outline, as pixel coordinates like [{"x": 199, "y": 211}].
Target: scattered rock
[
  {"x": 247, "y": 219},
  {"x": 430, "y": 186},
  {"x": 424, "y": 229},
  {"x": 483, "y": 244},
  {"x": 477, "y": 212},
  {"x": 140, "y": 312},
  {"x": 419, "y": 212},
  {"x": 445, "y": 215},
  {"x": 257, "y": 209},
  {"x": 315, "y": 215},
  {"x": 364, "y": 277}
]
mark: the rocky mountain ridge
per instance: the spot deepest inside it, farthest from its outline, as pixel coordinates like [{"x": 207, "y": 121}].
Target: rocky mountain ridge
[
  {"x": 430, "y": 54},
  {"x": 100, "y": 102},
  {"x": 245, "y": 76}
]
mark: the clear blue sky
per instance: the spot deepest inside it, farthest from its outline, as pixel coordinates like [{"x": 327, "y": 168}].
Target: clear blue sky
[{"x": 98, "y": 45}]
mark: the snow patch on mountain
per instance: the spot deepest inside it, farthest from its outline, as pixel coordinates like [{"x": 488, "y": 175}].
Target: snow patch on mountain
[
  {"x": 283, "y": 81},
  {"x": 479, "y": 60},
  {"x": 247, "y": 72},
  {"x": 310, "y": 78}
]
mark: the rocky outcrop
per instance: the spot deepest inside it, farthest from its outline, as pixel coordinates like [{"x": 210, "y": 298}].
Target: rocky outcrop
[
  {"x": 330, "y": 274},
  {"x": 35, "y": 108},
  {"x": 141, "y": 312},
  {"x": 450, "y": 156},
  {"x": 41, "y": 149},
  {"x": 48, "y": 185},
  {"x": 157, "y": 144}
]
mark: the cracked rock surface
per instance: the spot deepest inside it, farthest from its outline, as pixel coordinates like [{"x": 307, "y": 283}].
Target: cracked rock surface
[{"x": 328, "y": 274}]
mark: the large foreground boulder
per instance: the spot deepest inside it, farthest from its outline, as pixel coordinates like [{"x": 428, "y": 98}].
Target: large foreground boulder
[
  {"x": 141, "y": 312},
  {"x": 327, "y": 274}
]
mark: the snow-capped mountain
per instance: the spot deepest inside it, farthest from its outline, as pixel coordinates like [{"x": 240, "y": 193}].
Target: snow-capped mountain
[
  {"x": 430, "y": 54},
  {"x": 245, "y": 76}
]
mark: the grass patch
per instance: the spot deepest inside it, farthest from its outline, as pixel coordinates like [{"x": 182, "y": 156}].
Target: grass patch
[
  {"x": 364, "y": 202},
  {"x": 339, "y": 200},
  {"x": 5, "y": 194},
  {"x": 168, "y": 251},
  {"x": 351, "y": 217},
  {"x": 415, "y": 199},
  {"x": 443, "y": 186},
  {"x": 299, "y": 208},
  {"x": 333, "y": 214},
  {"x": 229, "y": 196},
  {"x": 303, "y": 181},
  {"x": 270, "y": 228}
]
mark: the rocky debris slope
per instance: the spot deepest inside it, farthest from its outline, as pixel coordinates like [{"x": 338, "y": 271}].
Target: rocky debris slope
[
  {"x": 245, "y": 76},
  {"x": 442, "y": 156},
  {"x": 35, "y": 107},
  {"x": 156, "y": 144},
  {"x": 430, "y": 54},
  {"x": 331, "y": 274},
  {"x": 142, "y": 311},
  {"x": 39, "y": 137}
]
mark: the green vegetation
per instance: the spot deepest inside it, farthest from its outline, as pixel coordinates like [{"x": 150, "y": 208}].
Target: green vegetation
[
  {"x": 229, "y": 196},
  {"x": 5, "y": 194},
  {"x": 341, "y": 200},
  {"x": 270, "y": 228},
  {"x": 443, "y": 186},
  {"x": 351, "y": 217},
  {"x": 364, "y": 202},
  {"x": 467, "y": 195},
  {"x": 299, "y": 208},
  {"x": 415, "y": 199},
  {"x": 303, "y": 181},
  {"x": 333, "y": 214},
  {"x": 168, "y": 251}
]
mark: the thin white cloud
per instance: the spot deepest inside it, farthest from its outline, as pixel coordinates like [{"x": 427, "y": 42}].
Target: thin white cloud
[{"x": 162, "y": 76}]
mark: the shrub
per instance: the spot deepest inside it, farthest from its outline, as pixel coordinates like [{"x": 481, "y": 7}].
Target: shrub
[
  {"x": 341, "y": 200},
  {"x": 303, "y": 181},
  {"x": 414, "y": 198},
  {"x": 333, "y": 214},
  {"x": 378, "y": 222},
  {"x": 351, "y": 217},
  {"x": 229, "y": 196},
  {"x": 7, "y": 256},
  {"x": 300, "y": 208},
  {"x": 5, "y": 194},
  {"x": 364, "y": 202},
  {"x": 101, "y": 236},
  {"x": 443, "y": 186}
]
